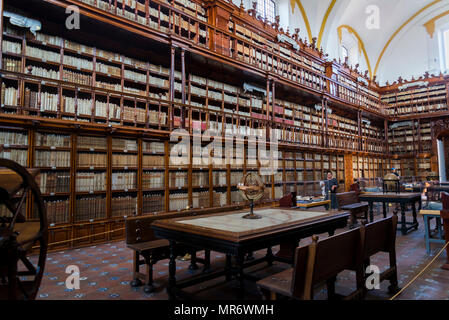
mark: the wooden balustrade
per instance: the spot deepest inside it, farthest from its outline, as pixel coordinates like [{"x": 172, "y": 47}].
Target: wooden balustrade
[{"x": 165, "y": 18}]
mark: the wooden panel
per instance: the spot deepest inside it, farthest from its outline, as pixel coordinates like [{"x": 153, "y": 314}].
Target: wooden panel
[
  {"x": 100, "y": 229},
  {"x": 59, "y": 235},
  {"x": 117, "y": 235},
  {"x": 349, "y": 179},
  {"x": 82, "y": 231}
]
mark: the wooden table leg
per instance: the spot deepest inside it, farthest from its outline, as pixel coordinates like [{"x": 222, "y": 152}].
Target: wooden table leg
[
  {"x": 384, "y": 209},
  {"x": 240, "y": 276},
  {"x": 228, "y": 267},
  {"x": 172, "y": 271},
  {"x": 403, "y": 220},
  {"x": 371, "y": 211},
  {"x": 269, "y": 256},
  {"x": 415, "y": 221}
]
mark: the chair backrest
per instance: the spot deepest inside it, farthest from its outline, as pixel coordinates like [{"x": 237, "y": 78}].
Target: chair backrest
[
  {"x": 323, "y": 260},
  {"x": 347, "y": 198},
  {"x": 380, "y": 236},
  {"x": 445, "y": 200},
  {"x": 356, "y": 188}
]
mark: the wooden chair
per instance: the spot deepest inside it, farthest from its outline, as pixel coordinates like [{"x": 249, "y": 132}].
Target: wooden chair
[
  {"x": 316, "y": 264},
  {"x": 148, "y": 249},
  {"x": 356, "y": 188},
  {"x": 349, "y": 201},
  {"x": 380, "y": 236}
]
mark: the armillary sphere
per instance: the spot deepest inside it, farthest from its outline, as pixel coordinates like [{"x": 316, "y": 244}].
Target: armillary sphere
[
  {"x": 20, "y": 277},
  {"x": 251, "y": 187}
]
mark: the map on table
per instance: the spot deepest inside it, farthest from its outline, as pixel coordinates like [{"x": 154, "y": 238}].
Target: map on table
[{"x": 235, "y": 223}]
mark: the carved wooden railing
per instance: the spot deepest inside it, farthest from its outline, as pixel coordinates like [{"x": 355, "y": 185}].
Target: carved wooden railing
[{"x": 164, "y": 17}]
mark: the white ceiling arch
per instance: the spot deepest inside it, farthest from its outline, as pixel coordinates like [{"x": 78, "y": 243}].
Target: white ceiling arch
[{"x": 401, "y": 32}]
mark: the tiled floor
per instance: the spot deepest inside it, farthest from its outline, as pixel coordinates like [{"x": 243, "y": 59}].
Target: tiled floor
[{"x": 105, "y": 273}]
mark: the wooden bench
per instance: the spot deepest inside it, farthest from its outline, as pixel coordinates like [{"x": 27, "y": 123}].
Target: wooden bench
[
  {"x": 316, "y": 264},
  {"x": 380, "y": 236},
  {"x": 322, "y": 260},
  {"x": 349, "y": 201},
  {"x": 148, "y": 250}
]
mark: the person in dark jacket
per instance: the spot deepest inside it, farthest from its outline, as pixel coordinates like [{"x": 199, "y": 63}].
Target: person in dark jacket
[{"x": 331, "y": 186}]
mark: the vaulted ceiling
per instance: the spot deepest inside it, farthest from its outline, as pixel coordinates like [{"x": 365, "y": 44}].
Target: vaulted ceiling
[{"x": 402, "y": 43}]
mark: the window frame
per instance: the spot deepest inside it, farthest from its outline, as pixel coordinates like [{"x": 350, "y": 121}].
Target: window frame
[{"x": 264, "y": 10}]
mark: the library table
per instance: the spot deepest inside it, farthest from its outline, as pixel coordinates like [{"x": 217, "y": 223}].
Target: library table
[
  {"x": 401, "y": 198},
  {"x": 232, "y": 235}
]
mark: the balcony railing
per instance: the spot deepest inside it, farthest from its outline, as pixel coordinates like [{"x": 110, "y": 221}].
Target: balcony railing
[{"x": 165, "y": 18}]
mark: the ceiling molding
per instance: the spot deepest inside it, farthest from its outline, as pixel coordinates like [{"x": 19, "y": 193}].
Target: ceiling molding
[
  {"x": 361, "y": 45},
  {"x": 398, "y": 30},
  {"x": 323, "y": 23},
  {"x": 430, "y": 25},
  {"x": 304, "y": 16}
]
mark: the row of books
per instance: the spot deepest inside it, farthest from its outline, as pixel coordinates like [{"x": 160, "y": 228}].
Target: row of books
[
  {"x": 219, "y": 199},
  {"x": 179, "y": 201},
  {"x": 19, "y": 156},
  {"x": 52, "y": 140},
  {"x": 153, "y": 161},
  {"x": 178, "y": 179},
  {"x": 153, "y": 203},
  {"x": 54, "y": 182},
  {"x": 219, "y": 178},
  {"x": 108, "y": 69},
  {"x": 9, "y": 96},
  {"x": 45, "y": 73},
  {"x": 90, "y": 181},
  {"x": 13, "y": 47},
  {"x": 124, "y": 144},
  {"x": 44, "y": 55},
  {"x": 200, "y": 178},
  {"x": 156, "y": 147},
  {"x": 123, "y": 206},
  {"x": 13, "y": 138},
  {"x": 124, "y": 160},
  {"x": 124, "y": 180},
  {"x": 12, "y": 65},
  {"x": 43, "y": 101},
  {"x": 91, "y": 142},
  {"x": 77, "y": 77},
  {"x": 45, "y": 158},
  {"x": 199, "y": 199},
  {"x": 89, "y": 159},
  {"x": 236, "y": 197},
  {"x": 57, "y": 211},
  {"x": 236, "y": 176},
  {"x": 90, "y": 208},
  {"x": 77, "y": 62},
  {"x": 153, "y": 179}
]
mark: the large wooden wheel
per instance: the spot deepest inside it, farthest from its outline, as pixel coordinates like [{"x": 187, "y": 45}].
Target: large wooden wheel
[{"x": 20, "y": 278}]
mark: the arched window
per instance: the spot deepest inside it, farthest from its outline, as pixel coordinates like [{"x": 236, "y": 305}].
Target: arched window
[
  {"x": 267, "y": 9},
  {"x": 446, "y": 49}
]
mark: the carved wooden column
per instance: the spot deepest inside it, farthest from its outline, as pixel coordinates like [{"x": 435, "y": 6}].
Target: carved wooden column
[
  {"x": 326, "y": 119},
  {"x": 273, "y": 100},
  {"x": 267, "y": 115},
  {"x": 183, "y": 89},
  {"x": 387, "y": 148},
  {"x": 172, "y": 85},
  {"x": 359, "y": 127}
]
